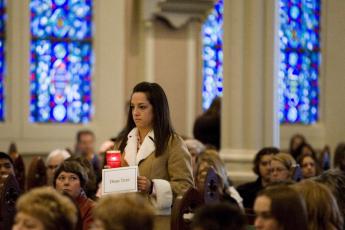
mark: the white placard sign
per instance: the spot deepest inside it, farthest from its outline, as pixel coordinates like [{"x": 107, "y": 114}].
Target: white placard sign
[{"x": 118, "y": 180}]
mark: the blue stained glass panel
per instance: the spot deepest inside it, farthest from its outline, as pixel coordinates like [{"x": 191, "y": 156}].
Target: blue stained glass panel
[
  {"x": 2, "y": 58},
  {"x": 212, "y": 34},
  {"x": 61, "y": 61},
  {"x": 300, "y": 60}
]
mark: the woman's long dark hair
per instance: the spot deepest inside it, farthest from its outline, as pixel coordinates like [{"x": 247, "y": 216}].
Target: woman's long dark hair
[
  {"x": 287, "y": 206},
  {"x": 162, "y": 127}
]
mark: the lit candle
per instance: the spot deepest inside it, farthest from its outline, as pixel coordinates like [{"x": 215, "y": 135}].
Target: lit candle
[{"x": 114, "y": 158}]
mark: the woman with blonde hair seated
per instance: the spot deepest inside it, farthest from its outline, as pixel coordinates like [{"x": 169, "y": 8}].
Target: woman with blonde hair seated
[
  {"x": 129, "y": 211},
  {"x": 282, "y": 167},
  {"x": 323, "y": 210},
  {"x": 211, "y": 159},
  {"x": 45, "y": 209}
]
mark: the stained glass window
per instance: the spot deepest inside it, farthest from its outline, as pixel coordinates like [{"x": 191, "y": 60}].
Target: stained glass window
[
  {"x": 300, "y": 59},
  {"x": 2, "y": 58},
  {"x": 61, "y": 61},
  {"x": 212, "y": 31}
]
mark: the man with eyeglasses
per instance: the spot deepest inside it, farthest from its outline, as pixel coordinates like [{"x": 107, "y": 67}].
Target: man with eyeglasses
[{"x": 262, "y": 168}]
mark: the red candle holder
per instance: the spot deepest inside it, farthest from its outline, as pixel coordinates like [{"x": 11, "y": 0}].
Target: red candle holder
[{"x": 113, "y": 158}]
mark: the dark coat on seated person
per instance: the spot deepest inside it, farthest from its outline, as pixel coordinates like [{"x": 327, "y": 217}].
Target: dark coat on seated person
[{"x": 248, "y": 192}]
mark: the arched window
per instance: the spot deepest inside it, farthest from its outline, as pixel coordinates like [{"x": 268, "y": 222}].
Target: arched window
[
  {"x": 212, "y": 32},
  {"x": 300, "y": 59},
  {"x": 61, "y": 61},
  {"x": 2, "y": 58}
]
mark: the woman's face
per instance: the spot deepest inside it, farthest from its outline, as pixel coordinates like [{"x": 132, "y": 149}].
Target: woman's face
[
  {"x": 264, "y": 219},
  {"x": 308, "y": 167},
  {"x": 278, "y": 171},
  {"x": 142, "y": 111},
  {"x": 69, "y": 183},
  {"x": 24, "y": 221}
]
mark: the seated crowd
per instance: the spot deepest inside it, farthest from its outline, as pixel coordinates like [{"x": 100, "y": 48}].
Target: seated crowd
[{"x": 293, "y": 190}]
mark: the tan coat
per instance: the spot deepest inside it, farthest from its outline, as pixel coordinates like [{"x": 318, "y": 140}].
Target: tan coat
[{"x": 171, "y": 172}]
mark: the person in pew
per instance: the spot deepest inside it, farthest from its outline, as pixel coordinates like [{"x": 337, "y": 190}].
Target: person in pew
[
  {"x": 219, "y": 216},
  {"x": 6, "y": 167},
  {"x": 150, "y": 142},
  {"x": 295, "y": 142},
  {"x": 45, "y": 209},
  {"x": 211, "y": 159},
  {"x": 262, "y": 168},
  {"x": 283, "y": 167},
  {"x": 91, "y": 185},
  {"x": 129, "y": 211},
  {"x": 280, "y": 207},
  {"x": 334, "y": 179},
  {"x": 206, "y": 127},
  {"x": 310, "y": 165},
  {"x": 323, "y": 210},
  {"x": 85, "y": 147},
  {"x": 54, "y": 159},
  {"x": 304, "y": 149},
  {"x": 70, "y": 178},
  {"x": 339, "y": 156},
  {"x": 18, "y": 164}
]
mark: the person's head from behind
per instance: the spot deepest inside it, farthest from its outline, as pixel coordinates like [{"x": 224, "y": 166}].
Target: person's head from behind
[
  {"x": 262, "y": 163},
  {"x": 45, "y": 209},
  {"x": 219, "y": 216},
  {"x": 309, "y": 165},
  {"x": 339, "y": 156},
  {"x": 85, "y": 142},
  {"x": 206, "y": 160},
  {"x": 128, "y": 211},
  {"x": 54, "y": 159},
  {"x": 6, "y": 165},
  {"x": 295, "y": 141},
  {"x": 282, "y": 167},
  {"x": 149, "y": 110},
  {"x": 280, "y": 207},
  {"x": 323, "y": 211},
  {"x": 334, "y": 179},
  {"x": 70, "y": 177},
  {"x": 215, "y": 107}
]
